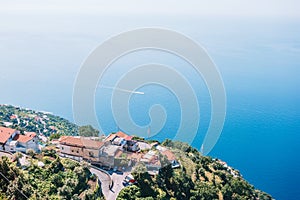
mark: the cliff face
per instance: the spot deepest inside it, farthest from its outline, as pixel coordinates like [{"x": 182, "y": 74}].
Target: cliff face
[{"x": 198, "y": 177}]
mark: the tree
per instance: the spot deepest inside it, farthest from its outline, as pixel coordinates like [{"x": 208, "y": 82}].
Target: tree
[
  {"x": 130, "y": 193},
  {"x": 30, "y": 152},
  {"x": 57, "y": 180},
  {"x": 88, "y": 131},
  {"x": 17, "y": 156},
  {"x": 144, "y": 180},
  {"x": 165, "y": 173},
  {"x": 204, "y": 190},
  {"x": 181, "y": 185},
  {"x": 55, "y": 136},
  {"x": 65, "y": 191},
  {"x": 55, "y": 166}
]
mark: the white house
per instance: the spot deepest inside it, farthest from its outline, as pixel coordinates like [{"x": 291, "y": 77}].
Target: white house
[
  {"x": 6, "y": 136},
  {"x": 12, "y": 140},
  {"x": 27, "y": 141}
]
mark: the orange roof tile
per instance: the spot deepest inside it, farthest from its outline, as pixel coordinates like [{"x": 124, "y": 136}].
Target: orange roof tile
[
  {"x": 13, "y": 117},
  {"x": 137, "y": 156},
  {"x": 124, "y": 135},
  {"x": 80, "y": 141},
  {"x": 22, "y": 138},
  {"x": 69, "y": 140},
  {"x": 118, "y": 153},
  {"x": 30, "y": 134},
  {"x": 169, "y": 154},
  {"x": 91, "y": 143},
  {"x": 110, "y": 137},
  {"x": 62, "y": 138},
  {"x": 118, "y": 134},
  {"x": 5, "y": 133}
]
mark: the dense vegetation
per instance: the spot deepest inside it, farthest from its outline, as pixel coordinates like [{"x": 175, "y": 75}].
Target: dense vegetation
[
  {"x": 87, "y": 131},
  {"x": 199, "y": 177},
  {"x": 57, "y": 179},
  {"x": 33, "y": 121}
]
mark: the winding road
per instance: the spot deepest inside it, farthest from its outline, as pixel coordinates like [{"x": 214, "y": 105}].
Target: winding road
[
  {"x": 110, "y": 193},
  {"x": 106, "y": 180}
]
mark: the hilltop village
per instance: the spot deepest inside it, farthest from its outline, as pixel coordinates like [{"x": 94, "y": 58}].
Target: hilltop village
[
  {"x": 117, "y": 151},
  {"x": 41, "y": 155}
]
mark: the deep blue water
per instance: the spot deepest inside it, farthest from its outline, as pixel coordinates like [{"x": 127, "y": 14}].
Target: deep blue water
[
  {"x": 259, "y": 138},
  {"x": 261, "y": 132},
  {"x": 258, "y": 60}
]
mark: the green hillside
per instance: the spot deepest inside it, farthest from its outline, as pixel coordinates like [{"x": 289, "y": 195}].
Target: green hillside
[
  {"x": 198, "y": 178},
  {"x": 35, "y": 121},
  {"x": 56, "y": 179}
]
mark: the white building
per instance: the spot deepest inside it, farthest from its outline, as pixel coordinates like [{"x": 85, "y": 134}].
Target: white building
[
  {"x": 6, "y": 136},
  {"x": 11, "y": 140}
]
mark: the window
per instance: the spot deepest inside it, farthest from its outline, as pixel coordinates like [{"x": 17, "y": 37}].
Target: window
[
  {"x": 62, "y": 148},
  {"x": 72, "y": 150},
  {"x": 77, "y": 151}
]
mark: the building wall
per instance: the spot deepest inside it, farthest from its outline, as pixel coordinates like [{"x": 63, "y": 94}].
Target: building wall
[
  {"x": 6, "y": 146},
  {"x": 20, "y": 149},
  {"x": 79, "y": 152},
  {"x": 33, "y": 144},
  {"x": 108, "y": 161},
  {"x": 71, "y": 150},
  {"x": 78, "y": 158},
  {"x": 91, "y": 154},
  {"x": 12, "y": 148}
]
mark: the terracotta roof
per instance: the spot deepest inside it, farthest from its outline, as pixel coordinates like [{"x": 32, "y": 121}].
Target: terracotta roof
[
  {"x": 62, "y": 138},
  {"x": 22, "y": 138},
  {"x": 119, "y": 153},
  {"x": 155, "y": 161},
  {"x": 169, "y": 154},
  {"x": 5, "y": 133},
  {"x": 151, "y": 159},
  {"x": 124, "y": 135},
  {"x": 30, "y": 134},
  {"x": 111, "y": 137},
  {"x": 80, "y": 142},
  {"x": 13, "y": 117},
  {"x": 119, "y": 134},
  {"x": 92, "y": 143},
  {"x": 136, "y": 156},
  {"x": 69, "y": 140}
]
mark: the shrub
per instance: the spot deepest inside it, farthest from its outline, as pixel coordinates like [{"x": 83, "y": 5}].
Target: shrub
[{"x": 30, "y": 152}]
